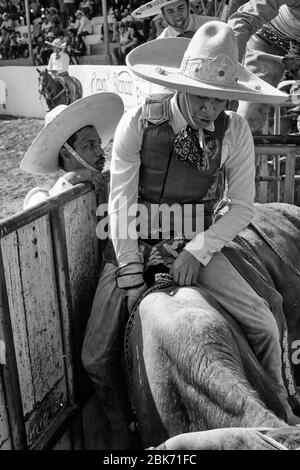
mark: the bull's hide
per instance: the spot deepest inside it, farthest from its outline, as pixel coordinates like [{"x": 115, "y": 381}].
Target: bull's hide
[{"x": 281, "y": 223}]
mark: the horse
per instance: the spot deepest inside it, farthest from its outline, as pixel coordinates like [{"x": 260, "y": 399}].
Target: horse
[
  {"x": 58, "y": 91},
  {"x": 190, "y": 369}
]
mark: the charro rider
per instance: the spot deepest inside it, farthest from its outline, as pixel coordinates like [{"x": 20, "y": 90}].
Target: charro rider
[
  {"x": 265, "y": 31},
  {"x": 58, "y": 65},
  {"x": 173, "y": 149},
  {"x": 72, "y": 141},
  {"x": 176, "y": 14}
]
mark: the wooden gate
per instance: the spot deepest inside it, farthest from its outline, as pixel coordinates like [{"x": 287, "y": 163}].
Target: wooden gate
[{"x": 49, "y": 266}]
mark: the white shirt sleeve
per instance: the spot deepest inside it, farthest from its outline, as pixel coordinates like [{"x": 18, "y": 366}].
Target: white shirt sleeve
[
  {"x": 124, "y": 182},
  {"x": 238, "y": 157}
]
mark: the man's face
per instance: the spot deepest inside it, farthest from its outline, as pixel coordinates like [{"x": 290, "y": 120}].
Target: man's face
[
  {"x": 176, "y": 15},
  {"x": 200, "y": 111},
  {"x": 88, "y": 146}
]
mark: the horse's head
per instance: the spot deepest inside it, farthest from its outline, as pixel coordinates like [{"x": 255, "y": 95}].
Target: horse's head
[{"x": 43, "y": 80}]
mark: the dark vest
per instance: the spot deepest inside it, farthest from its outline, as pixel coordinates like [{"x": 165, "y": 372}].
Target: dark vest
[{"x": 165, "y": 179}]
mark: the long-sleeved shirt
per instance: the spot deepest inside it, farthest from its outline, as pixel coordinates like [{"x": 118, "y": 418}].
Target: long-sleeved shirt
[
  {"x": 237, "y": 156},
  {"x": 283, "y": 14},
  {"x": 85, "y": 26},
  {"x": 195, "y": 22},
  {"x": 60, "y": 64}
]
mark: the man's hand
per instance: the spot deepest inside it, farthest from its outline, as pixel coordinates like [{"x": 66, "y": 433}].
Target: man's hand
[
  {"x": 85, "y": 175},
  {"x": 185, "y": 269},
  {"x": 133, "y": 296}
]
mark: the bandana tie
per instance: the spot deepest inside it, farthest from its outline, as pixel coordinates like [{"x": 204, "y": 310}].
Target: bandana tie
[{"x": 187, "y": 149}]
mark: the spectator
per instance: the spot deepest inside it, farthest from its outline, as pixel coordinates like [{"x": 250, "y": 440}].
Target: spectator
[
  {"x": 22, "y": 45},
  {"x": 46, "y": 49},
  {"x": 13, "y": 45},
  {"x": 75, "y": 46},
  {"x": 124, "y": 39},
  {"x": 7, "y": 22},
  {"x": 4, "y": 43},
  {"x": 126, "y": 16},
  {"x": 38, "y": 49},
  {"x": 135, "y": 39},
  {"x": 46, "y": 22},
  {"x": 73, "y": 23},
  {"x": 85, "y": 26}
]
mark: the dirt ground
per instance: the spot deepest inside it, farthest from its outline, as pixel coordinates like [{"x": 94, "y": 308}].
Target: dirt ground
[{"x": 16, "y": 136}]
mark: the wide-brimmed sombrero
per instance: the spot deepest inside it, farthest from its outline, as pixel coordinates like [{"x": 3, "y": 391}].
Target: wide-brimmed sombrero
[
  {"x": 151, "y": 8},
  {"x": 205, "y": 65},
  {"x": 102, "y": 110}
]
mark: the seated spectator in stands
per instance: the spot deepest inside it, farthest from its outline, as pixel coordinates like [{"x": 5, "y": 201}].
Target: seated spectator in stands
[
  {"x": 47, "y": 49},
  {"x": 75, "y": 46},
  {"x": 35, "y": 7},
  {"x": 126, "y": 16},
  {"x": 73, "y": 23},
  {"x": 123, "y": 39},
  {"x": 46, "y": 22},
  {"x": 7, "y": 22},
  {"x": 4, "y": 43},
  {"x": 85, "y": 26},
  {"x": 25, "y": 42},
  {"x": 55, "y": 19},
  {"x": 13, "y": 46},
  {"x": 38, "y": 50},
  {"x": 135, "y": 39},
  {"x": 22, "y": 45}
]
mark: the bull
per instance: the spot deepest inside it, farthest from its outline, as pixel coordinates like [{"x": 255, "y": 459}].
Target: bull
[{"x": 194, "y": 381}]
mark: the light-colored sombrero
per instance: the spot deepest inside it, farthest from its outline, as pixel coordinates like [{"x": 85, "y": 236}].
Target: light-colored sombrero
[
  {"x": 57, "y": 43},
  {"x": 151, "y": 8},
  {"x": 102, "y": 110},
  {"x": 205, "y": 65}
]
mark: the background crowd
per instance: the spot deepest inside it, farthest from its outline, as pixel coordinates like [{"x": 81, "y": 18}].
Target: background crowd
[{"x": 69, "y": 20}]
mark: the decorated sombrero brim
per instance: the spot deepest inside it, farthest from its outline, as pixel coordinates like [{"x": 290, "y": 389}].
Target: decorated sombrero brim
[
  {"x": 151, "y": 8},
  {"x": 160, "y": 61},
  {"x": 102, "y": 111}
]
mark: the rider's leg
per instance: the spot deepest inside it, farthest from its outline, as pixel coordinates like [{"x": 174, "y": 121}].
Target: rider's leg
[
  {"x": 265, "y": 67},
  {"x": 254, "y": 316},
  {"x": 102, "y": 354}
]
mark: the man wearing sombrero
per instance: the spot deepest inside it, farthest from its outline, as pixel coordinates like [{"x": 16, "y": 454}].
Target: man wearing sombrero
[
  {"x": 265, "y": 30},
  {"x": 175, "y": 149},
  {"x": 72, "y": 141},
  {"x": 176, "y": 14}
]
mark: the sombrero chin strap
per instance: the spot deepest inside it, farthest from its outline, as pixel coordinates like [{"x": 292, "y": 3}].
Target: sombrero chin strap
[{"x": 79, "y": 158}]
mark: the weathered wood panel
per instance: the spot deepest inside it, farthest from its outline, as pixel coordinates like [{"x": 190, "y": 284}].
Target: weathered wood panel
[
  {"x": 82, "y": 245},
  {"x": 32, "y": 295},
  {"x": 50, "y": 268},
  {"x": 5, "y": 439},
  {"x": 83, "y": 260}
]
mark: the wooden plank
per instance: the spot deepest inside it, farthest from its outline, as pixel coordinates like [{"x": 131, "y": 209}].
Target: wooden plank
[
  {"x": 5, "y": 438},
  {"x": 289, "y": 181},
  {"x": 83, "y": 260},
  {"x": 9, "y": 372},
  {"x": 30, "y": 274},
  {"x": 83, "y": 254},
  {"x": 65, "y": 297}
]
